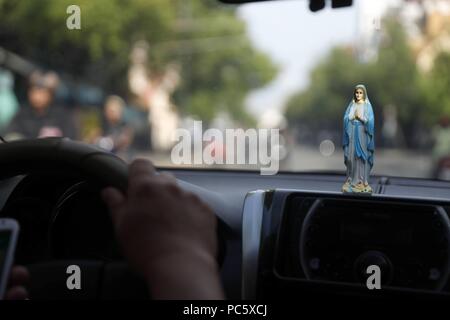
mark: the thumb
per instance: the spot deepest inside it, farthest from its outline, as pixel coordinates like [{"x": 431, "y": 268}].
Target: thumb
[{"x": 114, "y": 199}]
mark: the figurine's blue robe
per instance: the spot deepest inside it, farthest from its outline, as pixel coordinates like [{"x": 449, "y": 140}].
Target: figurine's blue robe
[{"x": 359, "y": 145}]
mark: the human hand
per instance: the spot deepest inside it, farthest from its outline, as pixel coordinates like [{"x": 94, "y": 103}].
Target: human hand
[
  {"x": 18, "y": 277},
  {"x": 166, "y": 233}
]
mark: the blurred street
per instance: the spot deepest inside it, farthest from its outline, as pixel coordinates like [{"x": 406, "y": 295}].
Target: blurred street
[{"x": 387, "y": 162}]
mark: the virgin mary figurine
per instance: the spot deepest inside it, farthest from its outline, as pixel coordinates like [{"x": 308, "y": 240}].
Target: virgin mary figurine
[{"x": 358, "y": 142}]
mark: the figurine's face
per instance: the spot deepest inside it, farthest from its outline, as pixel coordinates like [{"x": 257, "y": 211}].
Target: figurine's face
[{"x": 359, "y": 95}]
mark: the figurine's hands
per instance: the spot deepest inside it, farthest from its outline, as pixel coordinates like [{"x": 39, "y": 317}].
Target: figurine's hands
[{"x": 357, "y": 117}]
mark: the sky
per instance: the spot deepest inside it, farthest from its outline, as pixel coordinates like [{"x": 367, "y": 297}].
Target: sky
[{"x": 296, "y": 39}]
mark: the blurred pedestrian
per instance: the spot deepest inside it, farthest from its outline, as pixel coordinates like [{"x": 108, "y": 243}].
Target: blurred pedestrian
[
  {"x": 441, "y": 135},
  {"x": 40, "y": 117},
  {"x": 8, "y": 101},
  {"x": 117, "y": 133}
]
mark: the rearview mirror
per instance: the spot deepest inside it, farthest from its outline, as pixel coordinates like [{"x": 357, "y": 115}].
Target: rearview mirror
[{"x": 314, "y": 5}]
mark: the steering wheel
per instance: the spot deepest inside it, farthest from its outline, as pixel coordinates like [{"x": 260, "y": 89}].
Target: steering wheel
[{"x": 100, "y": 280}]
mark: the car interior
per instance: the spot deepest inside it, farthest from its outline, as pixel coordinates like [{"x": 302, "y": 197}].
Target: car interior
[
  {"x": 288, "y": 235},
  {"x": 280, "y": 235}
]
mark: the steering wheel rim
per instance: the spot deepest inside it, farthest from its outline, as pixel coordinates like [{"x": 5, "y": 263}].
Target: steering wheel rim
[{"x": 40, "y": 155}]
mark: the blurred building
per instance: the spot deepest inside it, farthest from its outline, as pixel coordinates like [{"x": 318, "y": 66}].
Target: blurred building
[
  {"x": 154, "y": 95},
  {"x": 428, "y": 25},
  {"x": 368, "y": 26},
  {"x": 426, "y": 22}
]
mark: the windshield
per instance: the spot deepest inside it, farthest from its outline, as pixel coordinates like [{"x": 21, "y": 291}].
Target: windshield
[{"x": 262, "y": 86}]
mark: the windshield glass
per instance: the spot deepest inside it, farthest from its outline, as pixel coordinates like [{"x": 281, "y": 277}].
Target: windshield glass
[{"x": 197, "y": 83}]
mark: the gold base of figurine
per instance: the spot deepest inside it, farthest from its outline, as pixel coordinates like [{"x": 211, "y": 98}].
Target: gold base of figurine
[{"x": 358, "y": 188}]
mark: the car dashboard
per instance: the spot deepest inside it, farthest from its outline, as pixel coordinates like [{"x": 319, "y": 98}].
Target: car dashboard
[{"x": 285, "y": 235}]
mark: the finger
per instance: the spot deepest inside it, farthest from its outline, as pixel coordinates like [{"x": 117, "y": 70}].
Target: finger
[
  {"x": 141, "y": 177},
  {"x": 139, "y": 168},
  {"x": 17, "y": 293},
  {"x": 168, "y": 176},
  {"x": 19, "y": 276},
  {"x": 165, "y": 184},
  {"x": 114, "y": 199}
]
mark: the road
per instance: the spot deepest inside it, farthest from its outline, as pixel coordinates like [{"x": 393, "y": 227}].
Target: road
[{"x": 387, "y": 162}]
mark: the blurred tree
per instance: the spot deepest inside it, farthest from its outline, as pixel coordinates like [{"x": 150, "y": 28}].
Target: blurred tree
[
  {"x": 436, "y": 87},
  {"x": 322, "y": 104},
  {"x": 396, "y": 81},
  {"x": 218, "y": 63},
  {"x": 392, "y": 81}
]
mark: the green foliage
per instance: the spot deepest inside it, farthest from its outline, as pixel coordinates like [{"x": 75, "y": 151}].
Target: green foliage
[
  {"x": 218, "y": 63},
  {"x": 331, "y": 88},
  {"x": 392, "y": 81},
  {"x": 437, "y": 89},
  {"x": 395, "y": 75}
]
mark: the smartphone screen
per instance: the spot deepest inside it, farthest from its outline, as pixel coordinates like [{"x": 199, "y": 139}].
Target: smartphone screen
[
  {"x": 5, "y": 239},
  {"x": 5, "y": 244}
]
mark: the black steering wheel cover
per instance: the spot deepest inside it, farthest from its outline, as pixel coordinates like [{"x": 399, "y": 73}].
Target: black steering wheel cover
[{"x": 52, "y": 154}]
